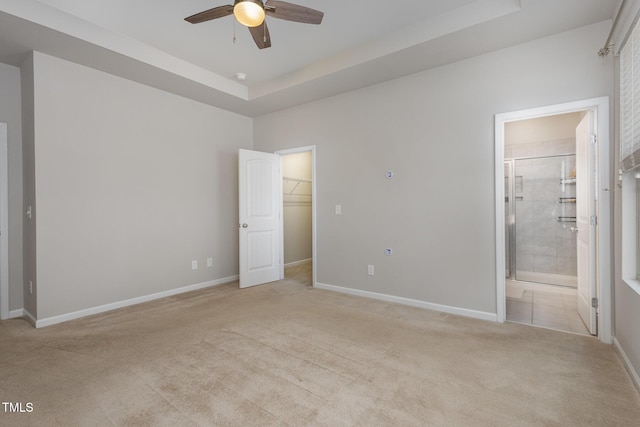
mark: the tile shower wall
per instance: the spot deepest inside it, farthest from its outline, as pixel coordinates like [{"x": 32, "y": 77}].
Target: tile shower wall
[{"x": 543, "y": 243}]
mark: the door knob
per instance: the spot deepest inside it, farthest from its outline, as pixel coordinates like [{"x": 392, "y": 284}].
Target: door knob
[{"x": 245, "y": 225}]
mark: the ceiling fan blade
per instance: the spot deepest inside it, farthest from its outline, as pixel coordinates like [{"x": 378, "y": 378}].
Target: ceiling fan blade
[
  {"x": 208, "y": 15},
  {"x": 293, "y": 12},
  {"x": 261, "y": 35}
]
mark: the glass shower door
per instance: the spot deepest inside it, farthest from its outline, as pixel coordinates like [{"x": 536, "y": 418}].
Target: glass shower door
[
  {"x": 509, "y": 210},
  {"x": 544, "y": 198}
]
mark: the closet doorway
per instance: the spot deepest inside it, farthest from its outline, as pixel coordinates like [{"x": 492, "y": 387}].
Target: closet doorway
[
  {"x": 542, "y": 277},
  {"x": 298, "y": 208}
]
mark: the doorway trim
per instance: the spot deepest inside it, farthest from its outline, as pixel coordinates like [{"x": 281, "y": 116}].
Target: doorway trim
[
  {"x": 4, "y": 224},
  {"x": 312, "y": 149},
  {"x": 600, "y": 107}
]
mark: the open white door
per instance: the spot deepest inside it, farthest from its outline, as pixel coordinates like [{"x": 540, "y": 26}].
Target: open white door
[
  {"x": 259, "y": 222},
  {"x": 586, "y": 221}
]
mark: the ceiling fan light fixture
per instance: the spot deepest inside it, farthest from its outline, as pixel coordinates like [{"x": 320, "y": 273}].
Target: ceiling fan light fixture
[{"x": 249, "y": 13}]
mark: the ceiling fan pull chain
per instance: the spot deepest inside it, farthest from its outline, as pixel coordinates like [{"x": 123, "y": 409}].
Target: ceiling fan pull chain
[
  {"x": 264, "y": 28},
  {"x": 234, "y": 31}
]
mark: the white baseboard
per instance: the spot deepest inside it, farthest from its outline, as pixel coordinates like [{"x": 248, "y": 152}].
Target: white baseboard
[
  {"x": 302, "y": 261},
  {"x": 30, "y": 317},
  {"x": 627, "y": 363},
  {"x": 482, "y": 315},
  {"x": 40, "y": 323},
  {"x": 14, "y": 314}
]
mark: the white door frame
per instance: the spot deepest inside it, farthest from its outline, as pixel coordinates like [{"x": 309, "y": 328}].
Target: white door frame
[
  {"x": 600, "y": 106},
  {"x": 312, "y": 149},
  {"x": 4, "y": 223}
]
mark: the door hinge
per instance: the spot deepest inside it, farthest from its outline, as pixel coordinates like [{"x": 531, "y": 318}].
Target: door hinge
[
  {"x": 594, "y": 302},
  {"x": 594, "y": 138},
  {"x": 594, "y": 220}
]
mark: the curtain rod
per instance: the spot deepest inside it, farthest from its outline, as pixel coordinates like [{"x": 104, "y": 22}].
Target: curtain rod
[{"x": 606, "y": 49}]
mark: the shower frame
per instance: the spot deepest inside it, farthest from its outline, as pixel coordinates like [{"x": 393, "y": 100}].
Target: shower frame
[
  {"x": 510, "y": 212},
  {"x": 510, "y": 226}
]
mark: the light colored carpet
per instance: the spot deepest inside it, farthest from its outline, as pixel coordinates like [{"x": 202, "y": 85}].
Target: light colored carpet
[{"x": 286, "y": 354}]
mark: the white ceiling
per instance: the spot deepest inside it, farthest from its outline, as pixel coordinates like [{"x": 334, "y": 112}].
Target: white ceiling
[{"x": 149, "y": 41}]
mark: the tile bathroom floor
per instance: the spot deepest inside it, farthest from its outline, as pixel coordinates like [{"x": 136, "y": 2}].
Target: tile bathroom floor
[{"x": 548, "y": 306}]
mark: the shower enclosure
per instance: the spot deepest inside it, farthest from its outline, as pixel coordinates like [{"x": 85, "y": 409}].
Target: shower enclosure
[{"x": 540, "y": 218}]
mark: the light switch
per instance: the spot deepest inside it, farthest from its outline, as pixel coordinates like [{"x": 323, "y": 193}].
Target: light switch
[{"x": 338, "y": 209}]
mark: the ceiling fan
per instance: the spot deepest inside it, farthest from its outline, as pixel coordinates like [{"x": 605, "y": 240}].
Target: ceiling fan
[{"x": 251, "y": 13}]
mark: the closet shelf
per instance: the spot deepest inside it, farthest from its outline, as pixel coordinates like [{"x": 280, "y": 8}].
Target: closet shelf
[
  {"x": 298, "y": 181},
  {"x": 287, "y": 178}
]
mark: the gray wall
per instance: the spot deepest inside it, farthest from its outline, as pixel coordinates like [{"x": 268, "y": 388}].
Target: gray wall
[
  {"x": 29, "y": 186},
  {"x": 435, "y": 130},
  {"x": 132, "y": 184},
  {"x": 10, "y": 113}
]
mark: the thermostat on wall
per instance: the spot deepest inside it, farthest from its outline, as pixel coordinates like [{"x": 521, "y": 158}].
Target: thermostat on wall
[
  {"x": 389, "y": 174},
  {"x": 388, "y": 252}
]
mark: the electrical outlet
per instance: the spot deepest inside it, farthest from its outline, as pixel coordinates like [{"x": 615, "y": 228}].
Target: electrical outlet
[
  {"x": 338, "y": 209},
  {"x": 209, "y": 262},
  {"x": 370, "y": 270},
  {"x": 194, "y": 264}
]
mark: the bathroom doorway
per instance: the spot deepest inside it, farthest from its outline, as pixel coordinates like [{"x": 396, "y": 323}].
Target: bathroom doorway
[
  {"x": 540, "y": 212},
  {"x": 541, "y": 280}
]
